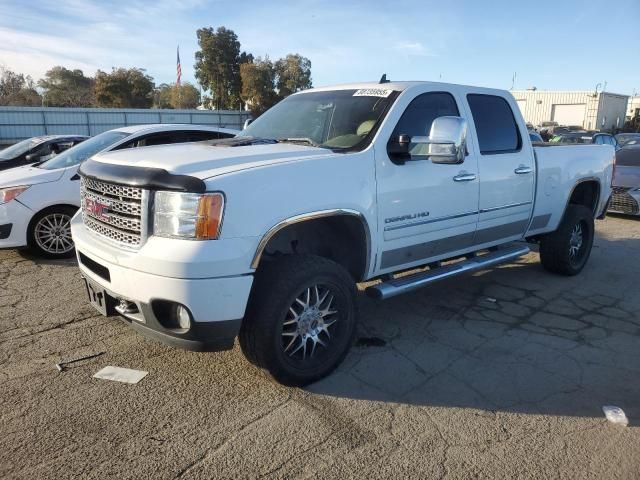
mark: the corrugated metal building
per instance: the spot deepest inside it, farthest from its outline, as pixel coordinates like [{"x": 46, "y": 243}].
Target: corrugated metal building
[
  {"x": 591, "y": 110},
  {"x": 18, "y": 123}
]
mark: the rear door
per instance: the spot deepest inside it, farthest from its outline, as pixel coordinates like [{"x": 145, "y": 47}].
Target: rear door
[
  {"x": 506, "y": 167},
  {"x": 426, "y": 211}
]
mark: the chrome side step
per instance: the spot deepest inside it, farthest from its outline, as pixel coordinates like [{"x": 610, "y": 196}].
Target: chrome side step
[{"x": 396, "y": 286}]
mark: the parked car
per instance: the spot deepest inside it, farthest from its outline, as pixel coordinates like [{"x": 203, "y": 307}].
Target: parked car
[
  {"x": 37, "y": 202},
  {"x": 596, "y": 138},
  {"x": 626, "y": 181},
  {"x": 270, "y": 231},
  {"x": 37, "y": 149},
  {"x": 628, "y": 139}
]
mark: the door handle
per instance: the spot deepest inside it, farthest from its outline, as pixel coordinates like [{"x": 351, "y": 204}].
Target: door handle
[
  {"x": 464, "y": 177},
  {"x": 522, "y": 170}
]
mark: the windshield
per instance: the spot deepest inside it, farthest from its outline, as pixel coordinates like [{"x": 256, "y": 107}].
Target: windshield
[
  {"x": 81, "y": 152},
  {"x": 19, "y": 148},
  {"x": 337, "y": 119}
]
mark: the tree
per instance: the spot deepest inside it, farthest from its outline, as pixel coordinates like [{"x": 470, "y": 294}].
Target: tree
[
  {"x": 124, "y": 88},
  {"x": 258, "y": 85},
  {"x": 293, "y": 74},
  {"x": 172, "y": 96},
  {"x": 218, "y": 65},
  {"x": 66, "y": 88},
  {"x": 17, "y": 89}
]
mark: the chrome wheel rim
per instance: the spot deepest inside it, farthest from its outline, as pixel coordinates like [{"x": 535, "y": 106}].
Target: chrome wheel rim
[
  {"x": 576, "y": 241},
  {"x": 307, "y": 327},
  {"x": 53, "y": 233}
]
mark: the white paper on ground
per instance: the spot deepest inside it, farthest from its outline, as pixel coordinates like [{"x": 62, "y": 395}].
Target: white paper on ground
[
  {"x": 119, "y": 374},
  {"x": 615, "y": 415}
]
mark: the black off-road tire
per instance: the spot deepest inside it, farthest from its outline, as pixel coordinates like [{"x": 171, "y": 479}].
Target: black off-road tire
[
  {"x": 37, "y": 246},
  {"x": 555, "y": 247},
  {"x": 276, "y": 287}
]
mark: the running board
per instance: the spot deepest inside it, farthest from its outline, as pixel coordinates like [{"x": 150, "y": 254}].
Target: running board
[{"x": 396, "y": 286}]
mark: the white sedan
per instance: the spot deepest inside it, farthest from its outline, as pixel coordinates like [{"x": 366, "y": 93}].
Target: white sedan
[{"x": 37, "y": 202}]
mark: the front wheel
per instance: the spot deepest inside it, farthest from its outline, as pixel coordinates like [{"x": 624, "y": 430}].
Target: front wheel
[
  {"x": 301, "y": 319},
  {"x": 49, "y": 233},
  {"x": 567, "y": 250}
]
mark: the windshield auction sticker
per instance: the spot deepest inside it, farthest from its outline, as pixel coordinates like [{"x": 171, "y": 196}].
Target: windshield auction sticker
[{"x": 372, "y": 92}]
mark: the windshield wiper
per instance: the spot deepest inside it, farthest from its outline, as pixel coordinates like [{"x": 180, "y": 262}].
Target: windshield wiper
[{"x": 298, "y": 140}]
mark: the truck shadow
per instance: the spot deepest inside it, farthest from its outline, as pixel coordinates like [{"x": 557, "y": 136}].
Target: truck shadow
[{"x": 514, "y": 339}]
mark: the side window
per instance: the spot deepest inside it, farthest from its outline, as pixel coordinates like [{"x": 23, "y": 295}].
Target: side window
[
  {"x": 422, "y": 111},
  {"x": 495, "y": 124},
  {"x": 200, "y": 136},
  {"x": 164, "y": 138},
  {"x": 599, "y": 140}
]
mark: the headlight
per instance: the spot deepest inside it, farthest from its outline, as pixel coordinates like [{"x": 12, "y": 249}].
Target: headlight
[
  {"x": 8, "y": 194},
  {"x": 188, "y": 215}
]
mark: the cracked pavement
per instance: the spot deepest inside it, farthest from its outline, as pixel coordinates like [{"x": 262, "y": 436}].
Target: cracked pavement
[{"x": 497, "y": 375}]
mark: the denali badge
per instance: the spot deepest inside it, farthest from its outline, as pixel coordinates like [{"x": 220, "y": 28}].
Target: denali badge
[
  {"x": 406, "y": 217},
  {"x": 96, "y": 209}
]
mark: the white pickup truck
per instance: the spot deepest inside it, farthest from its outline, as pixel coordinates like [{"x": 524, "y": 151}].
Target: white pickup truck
[{"x": 265, "y": 236}]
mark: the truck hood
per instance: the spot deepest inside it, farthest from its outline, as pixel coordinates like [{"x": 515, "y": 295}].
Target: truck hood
[
  {"x": 28, "y": 175},
  {"x": 203, "y": 160}
]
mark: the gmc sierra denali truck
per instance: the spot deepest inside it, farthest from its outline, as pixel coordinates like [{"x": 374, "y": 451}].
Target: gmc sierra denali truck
[{"x": 264, "y": 236}]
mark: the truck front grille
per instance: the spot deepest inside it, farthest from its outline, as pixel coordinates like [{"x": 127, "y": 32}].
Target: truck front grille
[
  {"x": 117, "y": 212},
  {"x": 622, "y": 202}
]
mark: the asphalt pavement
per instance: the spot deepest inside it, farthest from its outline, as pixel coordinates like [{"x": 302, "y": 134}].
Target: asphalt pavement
[{"x": 502, "y": 374}]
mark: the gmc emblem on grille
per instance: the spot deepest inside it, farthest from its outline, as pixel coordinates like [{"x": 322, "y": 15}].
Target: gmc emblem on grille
[{"x": 96, "y": 209}]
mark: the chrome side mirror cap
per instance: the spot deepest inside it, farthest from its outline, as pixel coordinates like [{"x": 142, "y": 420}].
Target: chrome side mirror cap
[{"x": 447, "y": 140}]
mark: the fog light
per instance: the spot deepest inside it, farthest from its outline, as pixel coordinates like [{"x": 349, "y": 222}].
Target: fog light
[{"x": 183, "y": 316}]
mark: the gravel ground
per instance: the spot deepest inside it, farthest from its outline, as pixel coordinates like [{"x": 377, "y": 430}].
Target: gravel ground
[{"x": 499, "y": 375}]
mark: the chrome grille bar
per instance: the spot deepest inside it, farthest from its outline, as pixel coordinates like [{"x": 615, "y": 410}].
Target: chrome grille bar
[{"x": 116, "y": 212}]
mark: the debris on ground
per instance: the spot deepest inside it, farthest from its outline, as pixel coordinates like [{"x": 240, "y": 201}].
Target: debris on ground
[
  {"x": 61, "y": 366},
  {"x": 119, "y": 374},
  {"x": 615, "y": 415},
  {"x": 491, "y": 299}
]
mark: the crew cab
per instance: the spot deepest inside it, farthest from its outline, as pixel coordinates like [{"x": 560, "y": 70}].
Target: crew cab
[{"x": 264, "y": 236}]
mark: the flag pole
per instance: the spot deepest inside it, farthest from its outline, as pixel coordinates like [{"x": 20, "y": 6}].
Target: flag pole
[{"x": 178, "y": 76}]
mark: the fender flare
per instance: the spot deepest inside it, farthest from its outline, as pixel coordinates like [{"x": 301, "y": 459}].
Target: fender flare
[{"x": 304, "y": 217}]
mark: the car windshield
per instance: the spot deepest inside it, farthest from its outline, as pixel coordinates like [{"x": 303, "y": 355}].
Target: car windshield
[
  {"x": 84, "y": 150},
  {"x": 19, "y": 148},
  {"x": 337, "y": 119}
]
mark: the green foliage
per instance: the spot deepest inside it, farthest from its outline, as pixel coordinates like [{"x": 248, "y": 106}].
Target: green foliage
[
  {"x": 218, "y": 66},
  {"x": 66, "y": 88},
  {"x": 17, "y": 89},
  {"x": 171, "y": 96},
  {"x": 294, "y": 74},
  {"x": 258, "y": 81},
  {"x": 124, "y": 88}
]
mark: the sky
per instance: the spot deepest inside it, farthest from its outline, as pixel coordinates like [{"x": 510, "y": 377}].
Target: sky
[{"x": 552, "y": 45}]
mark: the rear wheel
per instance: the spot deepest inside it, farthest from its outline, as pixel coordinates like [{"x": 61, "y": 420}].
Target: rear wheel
[
  {"x": 567, "y": 250},
  {"x": 49, "y": 233},
  {"x": 301, "y": 319}
]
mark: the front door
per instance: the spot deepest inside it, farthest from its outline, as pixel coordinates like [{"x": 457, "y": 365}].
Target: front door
[{"x": 426, "y": 211}]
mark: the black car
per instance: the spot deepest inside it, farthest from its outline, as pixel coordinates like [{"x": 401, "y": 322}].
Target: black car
[{"x": 37, "y": 149}]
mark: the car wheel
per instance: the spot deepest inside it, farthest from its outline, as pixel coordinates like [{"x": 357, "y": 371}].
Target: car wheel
[
  {"x": 567, "y": 250},
  {"x": 301, "y": 318},
  {"x": 49, "y": 233}
]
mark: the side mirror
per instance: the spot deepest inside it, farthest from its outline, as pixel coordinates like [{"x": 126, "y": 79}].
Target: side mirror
[
  {"x": 247, "y": 122},
  {"x": 447, "y": 140}
]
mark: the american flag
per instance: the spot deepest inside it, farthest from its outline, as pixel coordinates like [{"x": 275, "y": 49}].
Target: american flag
[{"x": 178, "y": 69}]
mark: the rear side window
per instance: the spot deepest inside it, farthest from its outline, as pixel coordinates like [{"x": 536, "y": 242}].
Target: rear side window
[{"x": 495, "y": 124}]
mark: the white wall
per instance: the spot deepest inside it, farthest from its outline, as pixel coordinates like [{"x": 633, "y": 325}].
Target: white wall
[{"x": 538, "y": 106}]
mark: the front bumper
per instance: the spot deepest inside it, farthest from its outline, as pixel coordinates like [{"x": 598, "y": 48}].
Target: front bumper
[
  {"x": 217, "y": 304},
  {"x": 18, "y": 216},
  {"x": 625, "y": 200}
]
